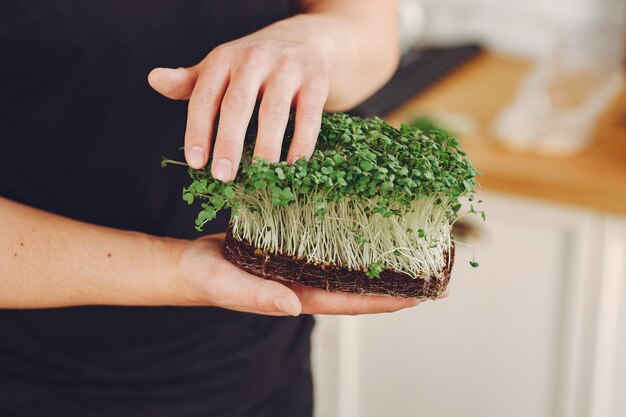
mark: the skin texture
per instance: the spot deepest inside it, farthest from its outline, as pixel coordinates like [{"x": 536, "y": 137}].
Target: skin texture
[
  {"x": 313, "y": 61},
  {"x": 330, "y": 58},
  {"x": 52, "y": 261}
]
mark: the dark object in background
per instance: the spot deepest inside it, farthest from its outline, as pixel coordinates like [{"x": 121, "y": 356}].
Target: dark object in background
[{"x": 418, "y": 70}]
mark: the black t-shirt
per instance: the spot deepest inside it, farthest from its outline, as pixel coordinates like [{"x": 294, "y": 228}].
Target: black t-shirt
[{"x": 81, "y": 135}]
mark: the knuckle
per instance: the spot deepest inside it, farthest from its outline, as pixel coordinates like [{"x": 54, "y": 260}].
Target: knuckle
[
  {"x": 210, "y": 95},
  {"x": 257, "y": 301},
  {"x": 255, "y": 55},
  {"x": 225, "y": 146},
  {"x": 221, "y": 52},
  {"x": 310, "y": 114},
  {"x": 285, "y": 64},
  {"x": 276, "y": 108},
  {"x": 236, "y": 101},
  {"x": 204, "y": 98}
]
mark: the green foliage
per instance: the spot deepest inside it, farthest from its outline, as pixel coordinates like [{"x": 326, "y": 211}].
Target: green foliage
[
  {"x": 355, "y": 160},
  {"x": 428, "y": 125},
  {"x": 374, "y": 270}
]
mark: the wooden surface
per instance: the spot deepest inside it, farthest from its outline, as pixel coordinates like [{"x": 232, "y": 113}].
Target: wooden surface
[{"x": 595, "y": 178}]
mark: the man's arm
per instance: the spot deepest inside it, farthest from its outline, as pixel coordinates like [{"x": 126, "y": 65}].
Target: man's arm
[
  {"x": 347, "y": 46},
  {"x": 51, "y": 261},
  {"x": 369, "y": 50}
]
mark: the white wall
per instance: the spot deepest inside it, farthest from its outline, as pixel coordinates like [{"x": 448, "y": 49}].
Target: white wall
[{"x": 529, "y": 27}]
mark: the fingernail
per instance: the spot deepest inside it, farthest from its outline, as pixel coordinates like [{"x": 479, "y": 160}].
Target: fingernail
[
  {"x": 196, "y": 157},
  {"x": 287, "y": 306},
  {"x": 293, "y": 159},
  {"x": 222, "y": 169}
]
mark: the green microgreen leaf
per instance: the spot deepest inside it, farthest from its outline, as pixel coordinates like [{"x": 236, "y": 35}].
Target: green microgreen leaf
[
  {"x": 188, "y": 197},
  {"x": 229, "y": 193},
  {"x": 356, "y": 160},
  {"x": 366, "y": 165},
  {"x": 374, "y": 270}
]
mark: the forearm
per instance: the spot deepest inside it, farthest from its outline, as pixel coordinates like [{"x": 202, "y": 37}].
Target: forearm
[
  {"x": 366, "y": 33},
  {"x": 51, "y": 261}
]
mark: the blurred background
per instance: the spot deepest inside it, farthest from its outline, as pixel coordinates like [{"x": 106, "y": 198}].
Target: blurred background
[{"x": 535, "y": 91}]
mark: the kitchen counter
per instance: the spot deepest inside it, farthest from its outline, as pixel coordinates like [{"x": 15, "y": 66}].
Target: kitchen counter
[{"x": 595, "y": 178}]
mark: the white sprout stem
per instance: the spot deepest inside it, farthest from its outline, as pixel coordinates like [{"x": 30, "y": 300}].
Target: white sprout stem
[
  {"x": 349, "y": 235},
  {"x": 467, "y": 245}
]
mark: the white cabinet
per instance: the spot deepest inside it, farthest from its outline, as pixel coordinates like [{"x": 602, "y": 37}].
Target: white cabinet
[
  {"x": 608, "y": 364},
  {"x": 535, "y": 331}
]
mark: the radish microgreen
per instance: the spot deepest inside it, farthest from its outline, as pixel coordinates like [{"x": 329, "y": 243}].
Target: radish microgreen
[{"x": 356, "y": 203}]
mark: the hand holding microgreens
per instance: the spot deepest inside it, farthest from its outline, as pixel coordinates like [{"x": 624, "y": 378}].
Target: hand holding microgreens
[{"x": 371, "y": 198}]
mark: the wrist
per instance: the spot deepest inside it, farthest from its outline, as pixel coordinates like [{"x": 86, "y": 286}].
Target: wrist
[
  {"x": 166, "y": 262},
  {"x": 362, "y": 58},
  {"x": 333, "y": 36}
]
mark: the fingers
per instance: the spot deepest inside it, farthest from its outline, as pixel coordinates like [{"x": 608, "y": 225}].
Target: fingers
[
  {"x": 274, "y": 115},
  {"x": 310, "y": 104},
  {"x": 235, "y": 113},
  {"x": 176, "y": 84},
  {"x": 316, "y": 301},
  {"x": 228, "y": 82},
  {"x": 203, "y": 108},
  {"x": 241, "y": 291}
]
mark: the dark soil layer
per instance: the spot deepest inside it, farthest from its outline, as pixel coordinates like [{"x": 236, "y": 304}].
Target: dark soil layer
[{"x": 332, "y": 277}]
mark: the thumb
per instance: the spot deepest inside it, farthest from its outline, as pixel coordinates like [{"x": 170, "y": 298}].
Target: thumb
[
  {"x": 176, "y": 84},
  {"x": 245, "y": 292}
]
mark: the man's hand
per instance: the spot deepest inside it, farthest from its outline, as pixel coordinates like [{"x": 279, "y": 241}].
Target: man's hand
[
  {"x": 215, "y": 281},
  {"x": 51, "y": 261},
  {"x": 335, "y": 56},
  {"x": 280, "y": 64}
]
